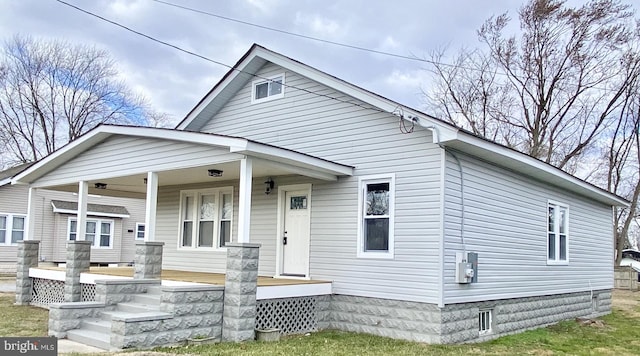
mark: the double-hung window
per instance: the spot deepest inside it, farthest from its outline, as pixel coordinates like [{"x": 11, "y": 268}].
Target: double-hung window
[
  {"x": 98, "y": 231},
  {"x": 139, "y": 231},
  {"x": 206, "y": 217},
  {"x": 376, "y": 216},
  {"x": 557, "y": 233},
  {"x": 266, "y": 89},
  {"x": 11, "y": 228}
]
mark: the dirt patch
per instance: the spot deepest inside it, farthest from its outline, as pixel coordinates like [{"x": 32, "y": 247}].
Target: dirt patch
[{"x": 627, "y": 301}]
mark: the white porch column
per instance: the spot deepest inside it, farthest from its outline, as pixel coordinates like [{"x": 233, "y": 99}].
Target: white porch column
[
  {"x": 78, "y": 251},
  {"x": 151, "y": 205},
  {"x": 148, "y": 259},
  {"x": 244, "y": 206},
  {"x": 30, "y": 225},
  {"x": 81, "y": 221}
]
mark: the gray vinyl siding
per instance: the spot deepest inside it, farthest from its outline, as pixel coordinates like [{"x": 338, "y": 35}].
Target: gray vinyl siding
[
  {"x": 51, "y": 228},
  {"x": 505, "y": 222},
  {"x": 12, "y": 201},
  {"x": 372, "y": 142},
  {"x": 124, "y": 156}
]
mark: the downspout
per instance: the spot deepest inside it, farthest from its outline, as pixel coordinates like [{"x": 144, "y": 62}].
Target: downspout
[{"x": 435, "y": 132}]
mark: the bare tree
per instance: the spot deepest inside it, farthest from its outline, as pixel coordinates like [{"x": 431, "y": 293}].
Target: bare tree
[
  {"x": 620, "y": 169},
  {"x": 564, "y": 89},
  {"x": 559, "y": 80},
  {"x": 51, "y": 92}
]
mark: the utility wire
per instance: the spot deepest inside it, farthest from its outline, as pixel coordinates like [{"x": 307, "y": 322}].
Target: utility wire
[
  {"x": 212, "y": 60},
  {"x": 346, "y": 45},
  {"x": 300, "y": 35}
]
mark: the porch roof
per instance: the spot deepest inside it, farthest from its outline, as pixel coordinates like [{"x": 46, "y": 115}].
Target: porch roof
[
  {"x": 237, "y": 146},
  {"x": 70, "y": 207}
]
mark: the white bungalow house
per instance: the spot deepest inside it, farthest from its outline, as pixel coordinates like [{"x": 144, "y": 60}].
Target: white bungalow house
[
  {"x": 425, "y": 231},
  {"x": 116, "y": 223}
]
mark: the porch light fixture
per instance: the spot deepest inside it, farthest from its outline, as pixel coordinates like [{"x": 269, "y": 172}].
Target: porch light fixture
[
  {"x": 215, "y": 173},
  {"x": 100, "y": 185},
  {"x": 268, "y": 186}
]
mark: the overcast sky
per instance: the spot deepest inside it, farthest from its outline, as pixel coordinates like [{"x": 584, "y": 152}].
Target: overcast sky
[{"x": 174, "y": 82}]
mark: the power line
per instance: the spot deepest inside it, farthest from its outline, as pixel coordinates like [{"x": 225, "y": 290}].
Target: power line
[
  {"x": 298, "y": 34},
  {"x": 345, "y": 45},
  {"x": 211, "y": 60}
]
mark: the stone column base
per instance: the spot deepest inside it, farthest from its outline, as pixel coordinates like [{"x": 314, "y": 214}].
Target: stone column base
[
  {"x": 28, "y": 254},
  {"x": 78, "y": 261},
  {"x": 148, "y": 260},
  {"x": 241, "y": 282}
]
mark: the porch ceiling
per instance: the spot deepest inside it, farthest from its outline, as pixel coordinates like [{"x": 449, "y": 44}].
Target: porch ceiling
[
  {"x": 133, "y": 186},
  {"x": 121, "y": 156}
]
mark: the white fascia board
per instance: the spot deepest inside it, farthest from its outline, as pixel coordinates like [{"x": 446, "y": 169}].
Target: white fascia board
[
  {"x": 539, "y": 170},
  {"x": 90, "y": 213},
  {"x": 102, "y": 132},
  {"x": 292, "y": 291},
  {"x": 5, "y": 181},
  {"x": 63, "y": 154},
  {"x": 209, "y": 98},
  {"x": 176, "y": 135},
  {"x": 287, "y": 156},
  {"x": 307, "y": 172}
]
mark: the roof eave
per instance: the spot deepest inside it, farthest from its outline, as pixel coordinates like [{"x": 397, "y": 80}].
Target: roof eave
[{"x": 530, "y": 166}]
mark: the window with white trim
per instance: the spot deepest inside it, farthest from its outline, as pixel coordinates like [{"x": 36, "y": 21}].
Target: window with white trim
[
  {"x": 98, "y": 231},
  {"x": 139, "y": 231},
  {"x": 376, "y": 216},
  {"x": 267, "y": 88},
  {"x": 557, "y": 233},
  {"x": 11, "y": 228},
  {"x": 206, "y": 218},
  {"x": 484, "y": 321}
]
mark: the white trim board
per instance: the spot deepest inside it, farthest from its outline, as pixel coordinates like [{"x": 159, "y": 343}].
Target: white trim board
[{"x": 290, "y": 291}]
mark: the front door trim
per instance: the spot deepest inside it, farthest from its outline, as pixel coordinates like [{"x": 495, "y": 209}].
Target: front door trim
[{"x": 282, "y": 190}]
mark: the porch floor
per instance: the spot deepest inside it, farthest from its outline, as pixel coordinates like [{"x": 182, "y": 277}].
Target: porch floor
[{"x": 194, "y": 277}]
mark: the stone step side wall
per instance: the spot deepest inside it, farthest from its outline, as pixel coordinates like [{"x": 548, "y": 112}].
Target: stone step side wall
[
  {"x": 68, "y": 316},
  {"x": 190, "y": 312},
  {"x": 114, "y": 291}
]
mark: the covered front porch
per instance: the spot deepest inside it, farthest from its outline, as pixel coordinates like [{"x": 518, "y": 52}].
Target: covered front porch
[{"x": 201, "y": 192}]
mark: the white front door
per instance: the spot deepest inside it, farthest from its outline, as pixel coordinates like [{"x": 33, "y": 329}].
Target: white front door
[{"x": 296, "y": 233}]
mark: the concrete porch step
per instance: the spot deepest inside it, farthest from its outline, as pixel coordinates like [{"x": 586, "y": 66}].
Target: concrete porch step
[
  {"x": 99, "y": 325},
  {"x": 151, "y": 299},
  {"x": 91, "y": 338},
  {"x": 155, "y": 290},
  {"x": 149, "y": 315},
  {"x": 133, "y": 307}
]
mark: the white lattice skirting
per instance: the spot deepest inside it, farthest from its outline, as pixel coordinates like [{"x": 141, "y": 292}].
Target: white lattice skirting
[
  {"x": 47, "y": 291},
  {"x": 290, "y": 315}
]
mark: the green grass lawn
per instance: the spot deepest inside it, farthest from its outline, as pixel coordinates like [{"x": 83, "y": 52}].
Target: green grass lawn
[
  {"x": 21, "y": 321},
  {"x": 618, "y": 334}
]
